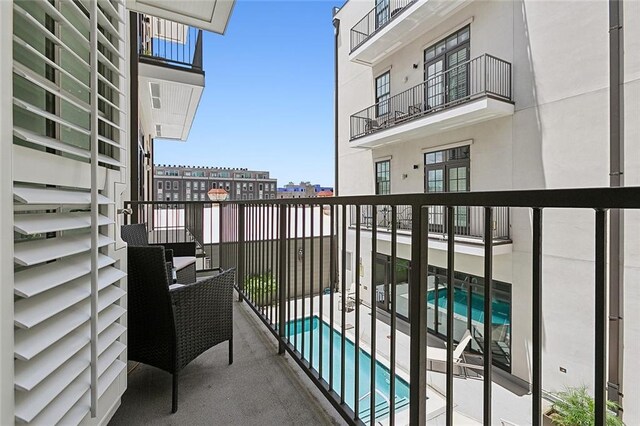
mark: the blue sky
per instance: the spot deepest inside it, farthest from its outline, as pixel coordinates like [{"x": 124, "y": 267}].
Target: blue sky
[{"x": 268, "y": 98}]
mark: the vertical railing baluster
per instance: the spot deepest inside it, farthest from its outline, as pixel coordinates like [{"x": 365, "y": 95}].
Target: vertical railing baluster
[
  {"x": 392, "y": 295},
  {"x": 450, "y": 296},
  {"x": 282, "y": 276},
  {"x": 418, "y": 315},
  {"x": 374, "y": 309},
  {"x": 295, "y": 279},
  {"x": 536, "y": 337},
  {"x": 488, "y": 314},
  {"x": 303, "y": 275},
  {"x": 275, "y": 232},
  {"x": 311, "y": 284},
  {"x": 601, "y": 319},
  {"x": 356, "y": 269},
  {"x": 321, "y": 300},
  {"x": 240, "y": 244},
  {"x": 343, "y": 300},
  {"x": 332, "y": 274},
  {"x": 289, "y": 273}
]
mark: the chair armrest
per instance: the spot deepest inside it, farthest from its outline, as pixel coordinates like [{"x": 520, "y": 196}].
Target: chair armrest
[
  {"x": 168, "y": 255},
  {"x": 181, "y": 249},
  {"x": 203, "y": 315}
]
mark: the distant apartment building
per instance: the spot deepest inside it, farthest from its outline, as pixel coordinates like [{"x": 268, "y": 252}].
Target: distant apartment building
[
  {"x": 482, "y": 96},
  {"x": 304, "y": 190},
  {"x": 186, "y": 183}
]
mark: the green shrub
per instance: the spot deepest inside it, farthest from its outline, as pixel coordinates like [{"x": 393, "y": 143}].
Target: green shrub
[
  {"x": 576, "y": 408},
  {"x": 261, "y": 288}
]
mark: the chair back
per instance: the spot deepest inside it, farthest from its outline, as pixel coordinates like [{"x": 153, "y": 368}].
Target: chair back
[
  {"x": 466, "y": 338},
  {"x": 135, "y": 235},
  {"x": 151, "y": 327}
]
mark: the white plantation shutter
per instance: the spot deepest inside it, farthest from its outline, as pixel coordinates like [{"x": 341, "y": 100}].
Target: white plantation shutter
[{"x": 52, "y": 181}]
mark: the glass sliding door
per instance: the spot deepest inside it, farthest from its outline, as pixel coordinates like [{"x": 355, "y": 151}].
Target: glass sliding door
[
  {"x": 468, "y": 312},
  {"x": 386, "y": 289}
]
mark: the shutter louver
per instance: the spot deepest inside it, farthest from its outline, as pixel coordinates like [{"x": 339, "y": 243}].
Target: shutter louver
[{"x": 52, "y": 115}]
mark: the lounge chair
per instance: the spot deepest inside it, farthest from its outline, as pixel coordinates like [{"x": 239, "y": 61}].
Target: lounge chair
[{"x": 440, "y": 354}]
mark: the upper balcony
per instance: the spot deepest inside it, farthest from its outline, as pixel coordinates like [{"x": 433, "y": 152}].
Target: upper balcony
[
  {"x": 394, "y": 23},
  {"x": 473, "y": 91},
  {"x": 170, "y": 76}
]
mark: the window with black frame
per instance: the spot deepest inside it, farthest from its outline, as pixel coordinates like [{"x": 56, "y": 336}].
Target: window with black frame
[
  {"x": 448, "y": 171},
  {"x": 383, "y": 93},
  {"x": 383, "y": 177}
]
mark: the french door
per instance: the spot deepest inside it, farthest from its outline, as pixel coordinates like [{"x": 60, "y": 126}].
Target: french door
[
  {"x": 446, "y": 70},
  {"x": 448, "y": 178}
]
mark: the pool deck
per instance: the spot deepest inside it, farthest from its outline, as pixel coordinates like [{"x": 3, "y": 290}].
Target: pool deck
[{"x": 511, "y": 402}]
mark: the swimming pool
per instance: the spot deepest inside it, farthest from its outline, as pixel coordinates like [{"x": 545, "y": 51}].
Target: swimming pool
[
  {"x": 312, "y": 328},
  {"x": 500, "y": 309}
]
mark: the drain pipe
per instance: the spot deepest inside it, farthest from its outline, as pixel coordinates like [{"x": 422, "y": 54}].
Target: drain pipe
[
  {"x": 336, "y": 32},
  {"x": 616, "y": 222}
]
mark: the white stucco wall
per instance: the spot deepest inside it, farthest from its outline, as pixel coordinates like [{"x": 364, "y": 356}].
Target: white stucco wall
[{"x": 558, "y": 137}]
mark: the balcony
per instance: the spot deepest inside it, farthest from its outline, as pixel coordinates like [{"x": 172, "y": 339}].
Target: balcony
[
  {"x": 381, "y": 15},
  {"x": 471, "y": 92},
  {"x": 468, "y": 226},
  {"x": 293, "y": 259},
  {"x": 392, "y": 24},
  {"x": 170, "y": 76}
]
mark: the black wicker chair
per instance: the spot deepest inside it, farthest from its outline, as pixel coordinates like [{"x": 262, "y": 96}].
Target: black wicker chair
[
  {"x": 181, "y": 255},
  {"x": 168, "y": 328}
]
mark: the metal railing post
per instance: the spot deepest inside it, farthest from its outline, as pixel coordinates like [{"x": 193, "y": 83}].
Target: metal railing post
[
  {"x": 418, "y": 314},
  {"x": 536, "y": 385},
  {"x": 282, "y": 278},
  {"x": 241, "y": 247}
]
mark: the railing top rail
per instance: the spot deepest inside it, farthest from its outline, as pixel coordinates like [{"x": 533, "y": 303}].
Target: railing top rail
[
  {"x": 368, "y": 16},
  {"x": 422, "y": 83},
  {"x": 591, "y": 198},
  {"x": 143, "y": 203}
]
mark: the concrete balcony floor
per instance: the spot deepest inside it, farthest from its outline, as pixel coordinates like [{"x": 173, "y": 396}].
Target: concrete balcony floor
[{"x": 259, "y": 388}]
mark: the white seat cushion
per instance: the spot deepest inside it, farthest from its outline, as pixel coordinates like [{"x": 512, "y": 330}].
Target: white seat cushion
[{"x": 182, "y": 262}]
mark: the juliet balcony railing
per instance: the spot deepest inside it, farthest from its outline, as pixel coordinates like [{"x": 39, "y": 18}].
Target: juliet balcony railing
[
  {"x": 484, "y": 76},
  {"x": 168, "y": 43},
  {"x": 293, "y": 259},
  {"x": 468, "y": 222},
  {"x": 382, "y": 14}
]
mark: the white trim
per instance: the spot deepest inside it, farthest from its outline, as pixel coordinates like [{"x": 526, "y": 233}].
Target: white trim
[
  {"x": 383, "y": 158},
  {"x": 447, "y": 146},
  {"x": 6, "y": 215}
]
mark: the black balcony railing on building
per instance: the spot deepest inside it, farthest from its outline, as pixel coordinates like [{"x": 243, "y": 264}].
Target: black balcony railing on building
[
  {"x": 293, "y": 259},
  {"x": 384, "y": 12},
  {"x": 484, "y": 76},
  {"x": 168, "y": 43},
  {"x": 468, "y": 222}
]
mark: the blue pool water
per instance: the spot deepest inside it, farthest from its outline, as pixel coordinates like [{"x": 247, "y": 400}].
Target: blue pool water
[
  {"x": 314, "y": 328},
  {"x": 500, "y": 310}
]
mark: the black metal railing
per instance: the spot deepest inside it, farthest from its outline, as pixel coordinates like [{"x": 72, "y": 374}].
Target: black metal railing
[
  {"x": 483, "y": 76},
  {"x": 169, "y": 43},
  {"x": 384, "y": 12},
  {"x": 305, "y": 274},
  {"x": 184, "y": 221},
  {"x": 468, "y": 221}
]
